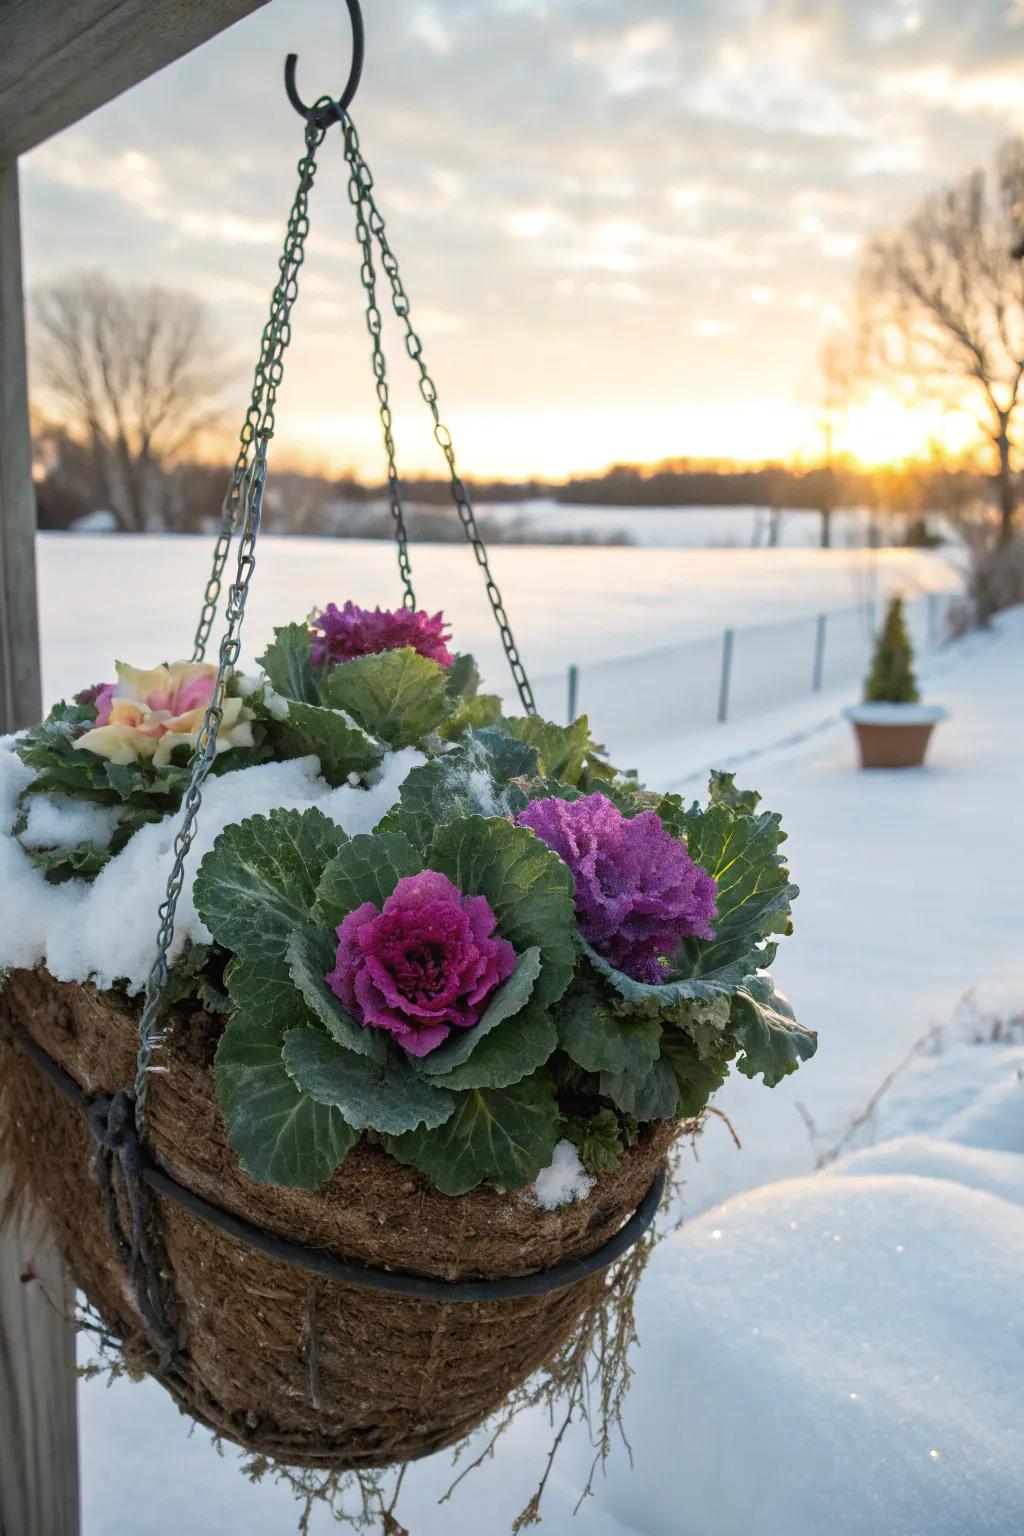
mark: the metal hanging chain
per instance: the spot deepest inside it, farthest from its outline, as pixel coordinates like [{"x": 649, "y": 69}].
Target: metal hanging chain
[
  {"x": 275, "y": 337},
  {"x": 428, "y": 389},
  {"x": 247, "y": 484},
  {"x": 151, "y": 1037},
  {"x": 374, "y": 324}
]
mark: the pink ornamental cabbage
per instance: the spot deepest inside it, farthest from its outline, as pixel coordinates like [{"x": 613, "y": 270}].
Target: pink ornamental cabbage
[
  {"x": 427, "y": 961},
  {"x": 340, "y": 634},
  {"x": 638, "y": 892}
]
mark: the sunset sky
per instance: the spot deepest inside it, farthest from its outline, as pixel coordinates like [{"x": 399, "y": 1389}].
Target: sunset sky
[{"x": 625, "y": 227}]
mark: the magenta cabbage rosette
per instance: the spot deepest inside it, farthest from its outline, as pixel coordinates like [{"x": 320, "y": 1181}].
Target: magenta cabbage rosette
[
  {"x": 638, "y": 891},
  {"x": 426, "y": 962},
  {"x": 342, "y": 634},
  {"x": 398, "y": 983},
  {"x": 353, "y": 683}
]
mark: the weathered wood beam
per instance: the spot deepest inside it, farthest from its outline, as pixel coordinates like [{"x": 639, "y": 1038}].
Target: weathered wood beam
[
  {"x": 38, "y": 1387},
  {"x": 61, "y": 59},
  {"x": 20, "y": 689}
]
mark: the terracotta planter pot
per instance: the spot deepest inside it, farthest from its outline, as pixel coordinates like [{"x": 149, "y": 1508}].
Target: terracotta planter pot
[
  {"x": 893, "y": 735},
  {"x": 282, "y": 1361}
]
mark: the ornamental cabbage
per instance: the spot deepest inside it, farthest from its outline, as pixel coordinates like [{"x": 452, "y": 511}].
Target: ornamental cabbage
[{"x": 427, "y": 960}]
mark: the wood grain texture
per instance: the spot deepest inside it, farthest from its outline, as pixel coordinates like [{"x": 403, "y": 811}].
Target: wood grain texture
[
  {"x": 61, "y": 59},
  {"x": 38, "y": 1414},
  {"x": 20, "y": 692}
]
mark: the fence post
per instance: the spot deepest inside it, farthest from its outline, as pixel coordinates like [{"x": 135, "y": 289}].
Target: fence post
[
  {"x": 574, "y": 689},
  {"x": 818, "y": 674},
  {"x": 723, "y": 686}
]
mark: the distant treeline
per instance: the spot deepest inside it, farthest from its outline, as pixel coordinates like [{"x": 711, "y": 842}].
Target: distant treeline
[
  {"x": 680, "y": 483},
  {"x": 683, "y": 483},
  {"x": 187, "y": 497}
]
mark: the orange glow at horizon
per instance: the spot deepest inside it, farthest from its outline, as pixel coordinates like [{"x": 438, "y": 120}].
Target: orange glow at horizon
[{"x": 554, "y": 445}]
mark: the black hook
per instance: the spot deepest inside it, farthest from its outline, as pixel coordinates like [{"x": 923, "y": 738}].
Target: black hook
[{"x": 324, "y": 116}]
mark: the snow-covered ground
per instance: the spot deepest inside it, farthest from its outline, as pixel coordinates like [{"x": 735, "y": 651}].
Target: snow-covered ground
[
  {"x": 684, "y": 527},
  {"x": 107, "y": 596},
  {"x": 832, "y": 1351}
]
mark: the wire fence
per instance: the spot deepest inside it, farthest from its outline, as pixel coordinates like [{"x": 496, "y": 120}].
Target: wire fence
[{"x": 742, "y": 671}]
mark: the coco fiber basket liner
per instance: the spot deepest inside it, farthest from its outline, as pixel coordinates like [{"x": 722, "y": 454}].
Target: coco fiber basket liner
[{"x": 284, "y": 1362}]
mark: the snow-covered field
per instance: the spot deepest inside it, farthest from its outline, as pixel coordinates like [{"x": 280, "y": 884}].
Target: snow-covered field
[
  {"x": 105, "y": 596},
  {"x": 833, "y": 1351},
  {"x": 684, "y": 527}
]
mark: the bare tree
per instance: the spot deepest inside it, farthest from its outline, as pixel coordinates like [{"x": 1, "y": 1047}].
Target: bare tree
[
  {"x": 943, "y": 305},
  {"x": 134, "y": 374}
]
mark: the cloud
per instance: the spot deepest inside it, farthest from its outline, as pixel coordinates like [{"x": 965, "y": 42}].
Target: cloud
[{"x": 578, "y": 190}]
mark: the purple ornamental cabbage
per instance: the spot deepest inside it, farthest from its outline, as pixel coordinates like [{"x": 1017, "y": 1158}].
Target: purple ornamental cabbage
[
  {"x": 638, "y": 892},
  {"x": 101, "y": 697},
  {"x": 427, "y": 961},
  {"x": 341, "y": 634}
]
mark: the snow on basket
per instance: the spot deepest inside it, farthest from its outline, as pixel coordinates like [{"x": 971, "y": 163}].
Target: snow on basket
[{"x": 300, "y": 1153}]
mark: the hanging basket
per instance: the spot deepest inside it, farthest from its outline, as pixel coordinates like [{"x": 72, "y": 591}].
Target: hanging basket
[
  {"x": 375, "y": 1319},
  {"x": 280, "y": 1359}
]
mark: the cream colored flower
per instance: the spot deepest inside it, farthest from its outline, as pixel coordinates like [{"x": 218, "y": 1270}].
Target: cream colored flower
[{"x": 148, "y": 714}]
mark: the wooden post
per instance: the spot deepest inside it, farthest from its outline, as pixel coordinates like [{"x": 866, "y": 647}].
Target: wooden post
[
  {"x": 38, "y": 1424},
  {"x": 20, "y": 689}
]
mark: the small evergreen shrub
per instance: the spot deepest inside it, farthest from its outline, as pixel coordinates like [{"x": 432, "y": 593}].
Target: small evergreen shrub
[{"x": 891, "y": 679}]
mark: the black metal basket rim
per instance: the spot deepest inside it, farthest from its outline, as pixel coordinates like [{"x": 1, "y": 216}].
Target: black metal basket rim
[{"x": 351, "y": 1272}]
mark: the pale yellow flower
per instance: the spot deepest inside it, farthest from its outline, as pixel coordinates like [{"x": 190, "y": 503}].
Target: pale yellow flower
[{"x": 146, "y": 714}]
